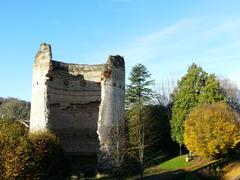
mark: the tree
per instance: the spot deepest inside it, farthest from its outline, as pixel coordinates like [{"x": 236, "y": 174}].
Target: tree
[
  {"x": 12, "y": 136},
  {"x": 232, "y": 94},
  {"x": 118, "y": 152},
  {"x": 158, "y": 142},
  {"x": 163, "y": 93},
  {"x": 29, "y": 156},
  {"x": 47, "y": 157},
  {"x": 138, "y": 94},
  {"x": 138, "y": 91},
  {"x": 211, "y": 91},
  {"x": 211, "y": 130},
  {"x": 196, "y": 87},
  {"x": 14, "y": 109}
]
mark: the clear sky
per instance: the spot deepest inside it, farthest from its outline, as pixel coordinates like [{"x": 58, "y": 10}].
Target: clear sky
[{"x": 164, "y": 35}]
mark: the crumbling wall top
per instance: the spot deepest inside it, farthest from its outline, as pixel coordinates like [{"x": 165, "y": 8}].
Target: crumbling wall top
[
  {"x": 116, "y": 61},
  {"x": 76, "y": 68},
  {"x": 44, "y": 54}
]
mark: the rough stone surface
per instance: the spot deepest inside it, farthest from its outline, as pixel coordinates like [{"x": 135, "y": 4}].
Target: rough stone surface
[{"x": 80, "y": 103}]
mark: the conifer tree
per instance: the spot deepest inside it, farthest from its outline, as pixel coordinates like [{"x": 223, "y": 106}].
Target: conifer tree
[
  {"x": 138, "y": 94},
  {"x": 138, "y": 91},
  {"x": 196, "y": 87}
]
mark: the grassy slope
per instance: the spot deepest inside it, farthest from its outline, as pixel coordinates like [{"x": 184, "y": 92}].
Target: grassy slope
[
  {"x": 175, "y": 165},
  {"x": 172, "y": 164}
]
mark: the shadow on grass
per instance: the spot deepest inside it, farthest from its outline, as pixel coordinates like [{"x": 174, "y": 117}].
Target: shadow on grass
[
  {"x": 205, "y": 175},
  {"x": 184, "y": 175},
  {"x": 82, "y": 166},
  {"x": 170, "y": 175}
]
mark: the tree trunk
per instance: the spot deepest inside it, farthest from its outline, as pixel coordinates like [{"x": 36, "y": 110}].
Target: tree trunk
[
  {"x": 141, "y": 173},
  {"x": 180, "y": 149}
]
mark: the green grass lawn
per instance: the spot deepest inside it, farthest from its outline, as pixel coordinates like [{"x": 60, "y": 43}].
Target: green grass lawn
[
  {"x": 170, "y": 165},
  {"x": 175, "y": 167},
  {"x": 176, "y": 163}
]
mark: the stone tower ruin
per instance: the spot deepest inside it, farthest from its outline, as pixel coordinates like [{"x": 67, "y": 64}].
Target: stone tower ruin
[{"x": 81, "y": 104}]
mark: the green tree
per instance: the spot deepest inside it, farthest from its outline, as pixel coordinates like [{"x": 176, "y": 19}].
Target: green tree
[
  {"x": 211, "y": 130},
  {"x": 14, "y": 109},
  {"x": 138, "y": 94},
  {"x": 138, "y": 91},
  {"x": 196, "y": 87},
  {"x": 47, "y": 157},
  {"x": 29, "y": 156},
  {"x": 157, "y": 140},
  {"x": 12, "y": 149},
  {"x": 211, "y": 91}
]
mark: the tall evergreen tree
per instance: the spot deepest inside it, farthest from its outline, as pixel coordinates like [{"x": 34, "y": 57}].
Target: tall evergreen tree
[
  {"x": 211, "y": 92},
  {"x": 196, "y": 87},
  {"x": 138, "y": 94},
  {"x": 138, "y": 91}
]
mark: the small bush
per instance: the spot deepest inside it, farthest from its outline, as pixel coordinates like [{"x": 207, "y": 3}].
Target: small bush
[
  {"x": 34, "y": 156},
  {"x": 212, "y": 130},
  {"x": 11, "y": 130},
  {"x": 15, "y": 158},
  {"x": 12, "y": 148},
  {"x": 47, "y": 156}
]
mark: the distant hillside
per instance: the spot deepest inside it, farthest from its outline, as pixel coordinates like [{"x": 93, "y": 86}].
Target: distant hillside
[
  {"x": 14, "y": 109},
  {"x": 1, "y": 99}
]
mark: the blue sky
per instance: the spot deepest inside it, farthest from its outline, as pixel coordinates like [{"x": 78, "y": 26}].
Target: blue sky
[{"x": 166, "y": 36}]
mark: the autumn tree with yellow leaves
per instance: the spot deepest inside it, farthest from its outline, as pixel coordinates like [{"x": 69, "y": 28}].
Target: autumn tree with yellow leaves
[{"x": 211, "y": 130}]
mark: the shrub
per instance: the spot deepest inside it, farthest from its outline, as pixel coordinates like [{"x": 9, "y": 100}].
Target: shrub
[
  {"x": 15, "y": 158},
  {"x": 12, "y": 148},
  {"x": 211, "y": 130},
  {"x": 47, "y": 156},
  {"x": 34, "y": 156},
  {"x": 12, "y": 130}
]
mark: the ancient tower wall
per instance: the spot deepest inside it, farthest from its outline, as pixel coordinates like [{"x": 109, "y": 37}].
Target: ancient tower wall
[
  {"x": 39, "y": 109},
  {"x": 111, "y": 114},
  {"x": 74, "y": 96},
  {"x": 80, "y": 103}
]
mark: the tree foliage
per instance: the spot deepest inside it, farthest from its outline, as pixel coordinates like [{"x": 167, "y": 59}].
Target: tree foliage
[
  {"x": 232, "y": 94},
  {"x": 163, "y": 93},
  {"x": 47, "y": 159},
  {"x": 14, "y": 109},
  {"x": 138, "y": 91},
  {"x": 12, "y": 146},
  {"x": 37, "y": 156},
  {"x": 211, "y": 130},
  {"x": 158, "y": 142},
  {"x": 138, "y": 94},
  {"x": 142, "y": 135},
  {"x": 196, "y": 87}
]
